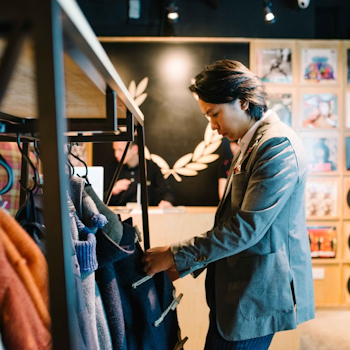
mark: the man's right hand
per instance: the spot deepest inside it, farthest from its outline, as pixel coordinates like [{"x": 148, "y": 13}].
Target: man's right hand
[{"x": 120, "y": 186}]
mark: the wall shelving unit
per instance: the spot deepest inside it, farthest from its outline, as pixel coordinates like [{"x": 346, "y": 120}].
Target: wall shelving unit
[{"x": 331, "y": 275}]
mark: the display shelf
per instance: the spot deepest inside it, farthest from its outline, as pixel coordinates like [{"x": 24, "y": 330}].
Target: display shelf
[
  {"x": 325, "y": 261},
  {"x": 54, "y": 69},
  {"x": 327, "y": 189}
]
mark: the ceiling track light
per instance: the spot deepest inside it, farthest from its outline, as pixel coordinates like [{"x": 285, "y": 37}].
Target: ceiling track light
[
  {"x": 172, "y": 12},
  {"x": 269, "y": 16}
]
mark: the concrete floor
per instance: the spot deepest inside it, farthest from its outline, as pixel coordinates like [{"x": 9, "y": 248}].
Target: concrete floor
[{"x": 330, "y": 330}]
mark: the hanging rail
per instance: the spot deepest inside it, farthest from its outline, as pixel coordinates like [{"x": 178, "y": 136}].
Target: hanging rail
[{"x": 60, "y": 25}]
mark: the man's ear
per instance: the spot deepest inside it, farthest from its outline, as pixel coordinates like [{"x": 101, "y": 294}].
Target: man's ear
[{"x": 244, "y": 104}]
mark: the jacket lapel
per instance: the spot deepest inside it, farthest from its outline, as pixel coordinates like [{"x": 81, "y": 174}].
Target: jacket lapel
[
  {"x": 227, "y": 190},
  {"x": 265, "y": 125}
]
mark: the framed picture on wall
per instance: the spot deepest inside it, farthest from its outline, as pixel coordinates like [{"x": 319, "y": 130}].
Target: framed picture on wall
[
  {"x": 346, "y": 60},
  {"x": 319, "y": 109},
  {"x": 347, "y": 107},
  {"x": 322, "y": 200},
  {"x": 274, "y": 65},
  {"x": 347, "y": 152},
  {"x": 273, "y": 61},
  {"x": 348, "y": 65},
  {"x": 282, "y": 104},
  {"x": 319, "y": 64},
  {"x": 323, "y": 241},
  {"x": 346, "y": 240},
  {"x": 346, "y": 197},
  {"x": 322, "y": 151}
]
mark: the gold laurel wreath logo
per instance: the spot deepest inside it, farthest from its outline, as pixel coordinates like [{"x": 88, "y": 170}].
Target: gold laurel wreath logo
[{"x": 191, "y": 163}]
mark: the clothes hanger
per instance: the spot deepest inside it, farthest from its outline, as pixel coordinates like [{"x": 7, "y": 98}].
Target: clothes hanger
[
  {"x": 10, "y": 177},
  {"x": 70, "y": 165},
  {"x": 35, "y": 170},
  {"x": 28, "y": 213},
  {"x": 9, "y": 183},
  {"x": 38, "y": 159},
  {"x": 70, "y": 146}
]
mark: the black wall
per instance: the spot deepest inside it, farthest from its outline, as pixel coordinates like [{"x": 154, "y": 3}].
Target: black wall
[
  {"x": 174, "y": 125},
  {"x": 230, "y": 18}
]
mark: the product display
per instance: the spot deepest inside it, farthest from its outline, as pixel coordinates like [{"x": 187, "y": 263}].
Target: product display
[{"x": 323, "y": 241}]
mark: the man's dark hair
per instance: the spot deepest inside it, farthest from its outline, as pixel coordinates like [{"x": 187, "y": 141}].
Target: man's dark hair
[{"x": 225, "y": 81}]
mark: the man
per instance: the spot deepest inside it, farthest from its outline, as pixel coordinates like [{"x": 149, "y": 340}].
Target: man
[
  {"x": 259, "y": 275},
  {"x": 125, "y": 189}
]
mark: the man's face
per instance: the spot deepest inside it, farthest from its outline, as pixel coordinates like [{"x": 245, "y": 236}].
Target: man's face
[
  {"x": 230, "y": 120},
  {"x": 119, "y": 148}
]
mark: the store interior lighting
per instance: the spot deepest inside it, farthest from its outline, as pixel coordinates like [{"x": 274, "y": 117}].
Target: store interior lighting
[
  {"x": 172, "y": 14},
  {"x": 269, "y": 16}
]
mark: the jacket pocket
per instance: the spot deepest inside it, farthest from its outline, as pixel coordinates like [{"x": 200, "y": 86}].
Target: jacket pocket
[
  {"x": 266, "y": 286},
  {"x": 239, "y": 187}
]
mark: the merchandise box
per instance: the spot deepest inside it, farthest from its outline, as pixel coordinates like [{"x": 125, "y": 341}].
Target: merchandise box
[{"x": 323, "y": 241}]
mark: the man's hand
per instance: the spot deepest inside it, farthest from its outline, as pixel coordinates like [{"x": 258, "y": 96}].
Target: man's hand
[
  {"x": 172, "y": 273},
  {"x": 157, "y": 259},
  {"x": 120, "y": 186},
  {"x": 164, "y": 204}
]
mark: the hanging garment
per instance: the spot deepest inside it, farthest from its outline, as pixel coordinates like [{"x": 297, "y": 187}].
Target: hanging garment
[
  {"x": 86, "y": 331},
  {"x": 103, "y": 332},
  {"x": 129, "y": 330},
  {"x": 85, "y": 246},
  {"x": 85, "y": 207},
  {"x": 114, "y": 228},
  {"x": 12, "y": 155},
  {"x": 19, "y": 264},
  {"x": 83, "y": 331},
  {"x": 20, "y": 324},
  {"x": 139, "y": 315},
  {"x": 31, "y": 217},
  {"x": 85, "y": 249},
  {"x": 86, "y": 254},
  {"x": 34, "y": 258}
]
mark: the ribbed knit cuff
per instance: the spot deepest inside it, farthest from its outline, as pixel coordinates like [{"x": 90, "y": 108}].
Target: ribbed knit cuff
[{"x": 86, "y": 253}]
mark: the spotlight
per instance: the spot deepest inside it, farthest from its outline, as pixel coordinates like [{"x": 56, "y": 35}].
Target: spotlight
[
  {"x": 303, "y": 4},
  {"x": 269, "y": 16},
  {"x": 172, "y": 15}
]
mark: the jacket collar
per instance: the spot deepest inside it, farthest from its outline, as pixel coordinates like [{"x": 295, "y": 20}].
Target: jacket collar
[{"x": 271, "y": 119}]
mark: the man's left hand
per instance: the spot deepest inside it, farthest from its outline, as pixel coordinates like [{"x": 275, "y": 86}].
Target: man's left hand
[
  {"x": 164, "y": 204},
  {"x": 157, "y": 259}
]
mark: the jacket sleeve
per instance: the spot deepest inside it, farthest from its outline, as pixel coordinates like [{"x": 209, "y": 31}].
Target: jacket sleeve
[{"x": 273, "y": 178}]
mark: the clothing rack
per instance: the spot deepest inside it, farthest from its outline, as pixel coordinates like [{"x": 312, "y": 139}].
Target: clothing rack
[{"x": 66, "y": 50}]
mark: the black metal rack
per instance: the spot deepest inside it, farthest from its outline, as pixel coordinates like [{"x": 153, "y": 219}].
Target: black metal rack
[{"x": 57, "y": 28}]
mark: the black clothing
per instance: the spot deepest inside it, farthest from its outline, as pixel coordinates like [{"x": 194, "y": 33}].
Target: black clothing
[
  {"x": 158, "y": 188},
  {"x": 224, "y": 169}
]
